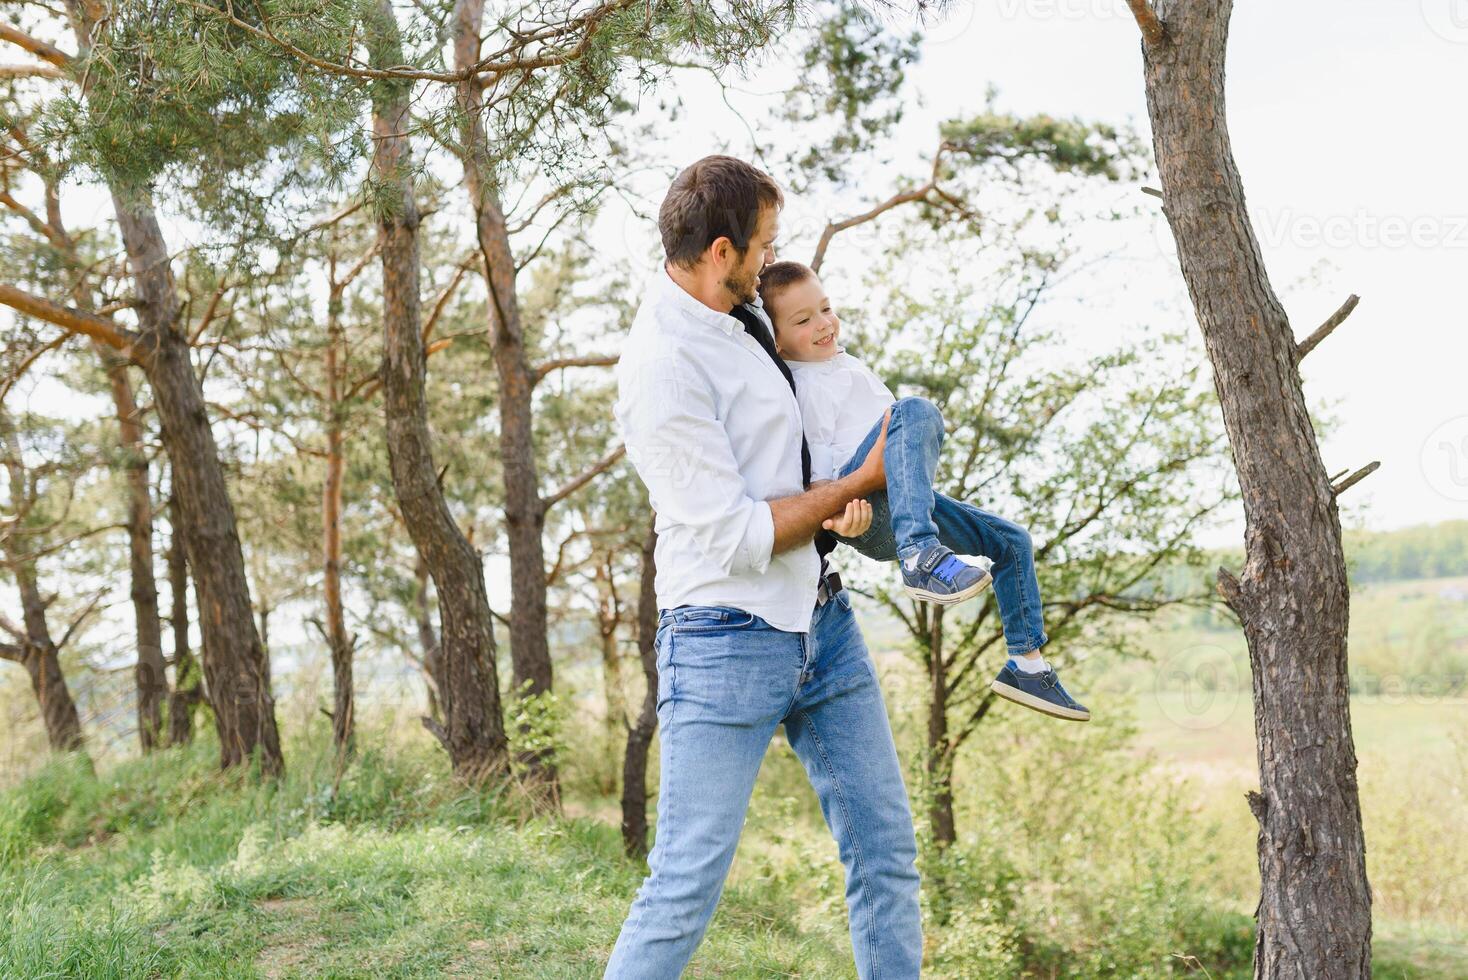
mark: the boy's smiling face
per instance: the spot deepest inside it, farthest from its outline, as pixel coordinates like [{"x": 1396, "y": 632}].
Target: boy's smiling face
[{"x": 806, "y": 328}]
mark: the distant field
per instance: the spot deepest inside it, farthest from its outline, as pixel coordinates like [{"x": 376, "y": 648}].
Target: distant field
[{"x": 1196, "y": 733}]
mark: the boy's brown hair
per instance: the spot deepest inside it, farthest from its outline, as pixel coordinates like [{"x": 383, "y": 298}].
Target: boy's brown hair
[
  {"x": 716, "y": 197},
  {"x": 776, "y": 277}
]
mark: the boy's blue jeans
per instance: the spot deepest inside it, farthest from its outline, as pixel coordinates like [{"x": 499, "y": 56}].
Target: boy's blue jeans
[
  {"x": 908, "y": 517},
  {"x": 726, "y": 680}
]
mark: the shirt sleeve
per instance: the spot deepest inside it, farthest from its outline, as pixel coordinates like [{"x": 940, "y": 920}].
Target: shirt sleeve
[
  {"x": 682, "y": 453},
  {"x": 818, "y": 414}
]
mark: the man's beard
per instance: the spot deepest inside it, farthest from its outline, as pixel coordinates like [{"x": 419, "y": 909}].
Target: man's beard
[{"x": 741, "y": 286}]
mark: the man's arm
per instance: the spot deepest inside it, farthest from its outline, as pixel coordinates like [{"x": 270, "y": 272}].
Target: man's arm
[{"x": 798, "y": 518}]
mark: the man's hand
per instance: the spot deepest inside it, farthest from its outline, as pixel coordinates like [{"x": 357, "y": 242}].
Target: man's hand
[
  {"x": 851, "y": 522},
  {"x": 797, "y": 518},
  {"x": 873, "y": 470}
]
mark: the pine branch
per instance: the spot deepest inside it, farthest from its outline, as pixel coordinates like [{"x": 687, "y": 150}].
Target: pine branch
[
  {"x": 41, "y": 49},
  {"x": 591, "y": 360},
  {"x": 1324, "y": 330},
  {"x": 31, "y": 71},
  {"x": 601, "y": 466},
  {"x": 74, "y": 320},
  {"x": 1153, "y": 33}
]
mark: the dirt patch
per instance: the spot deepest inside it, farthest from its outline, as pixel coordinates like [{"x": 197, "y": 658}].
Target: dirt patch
[{"x": 288, "y": 952}]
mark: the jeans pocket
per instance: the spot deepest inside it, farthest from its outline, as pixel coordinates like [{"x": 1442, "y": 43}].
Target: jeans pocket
[{"x": 710, "y": 619}]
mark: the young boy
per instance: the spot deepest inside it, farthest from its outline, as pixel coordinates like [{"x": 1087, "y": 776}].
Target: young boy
[{"x": 843, "y": 404}]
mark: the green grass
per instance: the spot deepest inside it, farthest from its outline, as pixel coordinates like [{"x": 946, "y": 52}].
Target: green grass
[
  {"x": 1118, "y": 848},
  {"x": 164, "y": 868}
]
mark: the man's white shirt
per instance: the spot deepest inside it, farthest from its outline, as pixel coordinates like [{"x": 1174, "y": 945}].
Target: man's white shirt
[
  {"x": 840, "y": 400},
  {"x": 714, "y": 431}
]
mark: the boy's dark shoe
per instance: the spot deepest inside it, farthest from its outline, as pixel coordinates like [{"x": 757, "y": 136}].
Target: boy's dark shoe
[
  {"x": 938, "y": 575},
  {"x": 1042, "y": 692}
]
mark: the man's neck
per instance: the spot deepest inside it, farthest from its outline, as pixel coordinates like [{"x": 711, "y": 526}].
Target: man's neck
[{"x": 709, "y": 292}]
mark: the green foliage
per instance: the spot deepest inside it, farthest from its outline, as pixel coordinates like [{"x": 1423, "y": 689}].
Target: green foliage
[
  {"x": 848, "y": 95},
  {"x": 174, "y": 91},
  {"x": 537, "y": 723},
  {"x": 1426, "y": 551},
  {"x": 1078, "y": 863},
  {"x": 1065, "y": 146}
]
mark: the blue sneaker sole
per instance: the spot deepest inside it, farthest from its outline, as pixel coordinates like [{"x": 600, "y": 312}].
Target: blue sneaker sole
[
  {"x": 949, "y": 599},
  {"x": 1038, "y": 704}
]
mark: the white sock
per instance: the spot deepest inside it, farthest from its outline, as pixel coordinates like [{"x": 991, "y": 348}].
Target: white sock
[{"x": 1031, "y": 665}]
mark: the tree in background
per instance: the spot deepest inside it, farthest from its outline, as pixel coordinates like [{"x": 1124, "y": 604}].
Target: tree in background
[
  {"x": 1292, "y": 598},
  {"x": 37, "y": 522}
]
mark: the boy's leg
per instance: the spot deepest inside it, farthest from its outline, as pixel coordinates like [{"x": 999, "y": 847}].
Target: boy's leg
[
  {"x": 914, "y": 439},
  {"x": 839, "y": 729},
  {"x": 724, "y": 684},
  {"x": 971, "y": 531},
  {"x": 1026, "y": 680}
]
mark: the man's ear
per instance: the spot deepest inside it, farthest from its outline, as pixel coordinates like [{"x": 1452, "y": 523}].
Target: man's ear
[{"x": 720, "y": 249}]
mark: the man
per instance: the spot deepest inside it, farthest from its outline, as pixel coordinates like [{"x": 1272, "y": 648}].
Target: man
[{"x": 752, "y": 634}]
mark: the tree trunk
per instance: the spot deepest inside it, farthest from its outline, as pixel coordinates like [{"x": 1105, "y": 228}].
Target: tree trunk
[
  {"x": 1314, "y": 916},
  {"x": 187, "y": 684},
  {"x": 342, "y": 645},
  {"x": 36, "y": 652},
  {"x": 524, "y": 509},
  {"x": 608, "y": 619},
  {"x": 473, "y": 730},
  {"x": 940, "y": 764},
  {"x": 152, "y": 680},
  {"x": 235, "y": 664},
  {"x": 639, "y": 736},
  {"x": 428, "y": 640}
]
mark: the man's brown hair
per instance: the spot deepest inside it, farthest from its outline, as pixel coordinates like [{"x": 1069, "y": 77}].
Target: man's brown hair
[
  {"x": 716, "y": 197},
  {"x": 776, "y": 277}
]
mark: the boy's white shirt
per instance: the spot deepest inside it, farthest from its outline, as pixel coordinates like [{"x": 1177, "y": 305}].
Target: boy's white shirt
[{"x": 840, "y": 400}]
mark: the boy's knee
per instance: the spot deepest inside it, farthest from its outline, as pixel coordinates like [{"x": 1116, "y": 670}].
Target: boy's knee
[{"x": 918, "y": 410}]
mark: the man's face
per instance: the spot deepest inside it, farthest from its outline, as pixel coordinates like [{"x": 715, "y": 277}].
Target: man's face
[{"x": 742, "y": 277}]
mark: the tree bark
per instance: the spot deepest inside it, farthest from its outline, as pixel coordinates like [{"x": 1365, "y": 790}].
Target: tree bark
[
  {"x": 188, "y": 688},
  {"x": 939, "y": 763},
  {"x": 524, "y": 508},
  {"x": 151, "y": 678},
  {"x": 428, "y": 639},
  {"x": 608, "y": 620},
  {"x": 473, "y": 730},
  {"x": 341, "y": 644},
  {"x": 1314, "y": 916},
  {"x": 639, "y": 736}
]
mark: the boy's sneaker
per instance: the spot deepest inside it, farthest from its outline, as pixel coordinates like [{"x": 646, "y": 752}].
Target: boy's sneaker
[
  {"x": 1042, "y": 691},
  {"x": 938, "y": 575}
]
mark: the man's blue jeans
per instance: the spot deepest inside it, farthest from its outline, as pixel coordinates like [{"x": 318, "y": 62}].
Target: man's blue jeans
[
  {"x": 726, "y": 680},
  {"x": 908, "y": 517}
]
